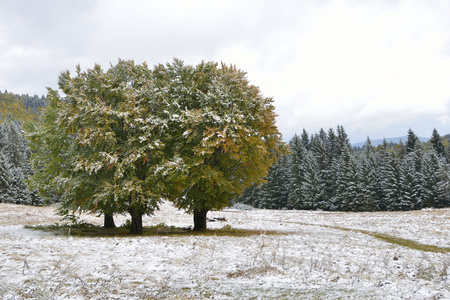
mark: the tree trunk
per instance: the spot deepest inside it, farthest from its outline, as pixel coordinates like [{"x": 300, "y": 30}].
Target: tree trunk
[
  {"x": 200, "y": 219},
  {"x": 108, "y": 221},
  {"x": 136, "y": 222}
]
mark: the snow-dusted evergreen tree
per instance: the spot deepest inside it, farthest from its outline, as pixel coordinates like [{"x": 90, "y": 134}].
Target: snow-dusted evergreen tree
[
  {"x": 305, "y": 139},
  {"x": 411, "y": 141},
  {"x": 436, "y": 143},
  {"x": 251, "y": 196},
  {"x": 15, "y": 167},
  {"x": 5, "y": 179},
  {"x": 343, "y": 140},
  {"x": 390, "y": 181},
  {"x": 275, "y": 192},
  {"x": 312, "y": 188},
  {"x": 435, "y": 180},
  {"x": 332, "y": 146},
  {"x": 332, "y": 150},
  {"x": 347, "y": 192},
  {"x": 443, "y": 186},
  {"x": 13, "y": 144},
  {"x": 400, "y": 150},
  {"x": 369, "y": 178},
  {"x": 317, "y": 146},
  {"x": 410, "y": 197},
  {"x": 296, "y": 178}
]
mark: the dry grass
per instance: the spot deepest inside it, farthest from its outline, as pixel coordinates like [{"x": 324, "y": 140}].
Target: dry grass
[
  {"x": 91, "y": 230},
  {"x": 306, "y": 255}
]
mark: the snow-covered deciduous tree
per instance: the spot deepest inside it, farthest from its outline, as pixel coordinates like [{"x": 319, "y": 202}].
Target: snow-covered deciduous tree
[
  {"x": 100, "y": 147},
  {"x": 123, "y": 139},
  {"x": 222, "y": 129}
]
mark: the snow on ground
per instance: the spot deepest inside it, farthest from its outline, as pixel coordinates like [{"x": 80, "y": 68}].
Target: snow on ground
[{"x": 304, "y": 260}]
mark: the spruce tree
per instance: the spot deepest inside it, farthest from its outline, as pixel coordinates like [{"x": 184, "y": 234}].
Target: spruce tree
[
  {"x": 410, "y": 197},
  {"x": 342, "y": 139},
  {"x": 436, "y": 143},
  {"x": 274, "y": 194},
  {"x": 296, "y": 178},
  {"x": 400, "y": 150},
  {"x": 347, "y": 195},
  {"x": 435, "y": 180},
  {"x": 368, "y": 178},
  {"x": 390, "y": 181},
  {"x": 5, "y": 179},
  {"x": 312, "y": 188},
  {"x": 443, "y": 185},
  {"x": 411, "y": 141},
  {"x": 250, "y": 196},
  {"x": 305, "y": 139}
]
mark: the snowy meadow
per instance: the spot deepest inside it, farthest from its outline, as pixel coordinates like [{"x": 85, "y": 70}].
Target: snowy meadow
[{"x": 306, "y": 255}]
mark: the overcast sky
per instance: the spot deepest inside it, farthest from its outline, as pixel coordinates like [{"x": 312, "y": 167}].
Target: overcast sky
[{"x": 376, "y": 67}]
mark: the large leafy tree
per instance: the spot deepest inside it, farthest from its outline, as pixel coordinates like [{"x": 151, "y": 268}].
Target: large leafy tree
[
  {"x": 222, "y": 129},
  {"x": 123, "y": 139},
  {"x": 99, "y": 147}
]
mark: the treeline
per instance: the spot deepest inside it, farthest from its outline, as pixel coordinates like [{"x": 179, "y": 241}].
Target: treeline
[
  {"x": 15, "y": 168},
  {"x": 324, "y": 172}
]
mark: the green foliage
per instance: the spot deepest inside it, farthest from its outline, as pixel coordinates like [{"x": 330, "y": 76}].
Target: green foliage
[
  {"x": 436, "y": 143},
  {"x": 99, "y": 148},
  {"x": 123, "y": 139},
  {"x": 221, "y": 127}
]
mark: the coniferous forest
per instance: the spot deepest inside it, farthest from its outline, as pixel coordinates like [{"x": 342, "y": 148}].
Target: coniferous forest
[
  {"x": 323, "y": 172},
  {"x": 16, "y": 110}
]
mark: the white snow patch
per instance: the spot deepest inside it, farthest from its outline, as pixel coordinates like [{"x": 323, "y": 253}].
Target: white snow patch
[{"x": 303, "y": 261}]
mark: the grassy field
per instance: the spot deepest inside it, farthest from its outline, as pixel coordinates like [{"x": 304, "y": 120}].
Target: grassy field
[{"x": 255, "y": 254}]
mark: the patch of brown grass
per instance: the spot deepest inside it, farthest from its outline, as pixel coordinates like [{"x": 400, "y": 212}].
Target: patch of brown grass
[{"x": 89, "y": 230}]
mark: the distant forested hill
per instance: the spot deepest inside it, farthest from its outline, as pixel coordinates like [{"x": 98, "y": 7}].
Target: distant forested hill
[
  {"x": 20, "y": 107},
  {"x": 393, "y": 141}
]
